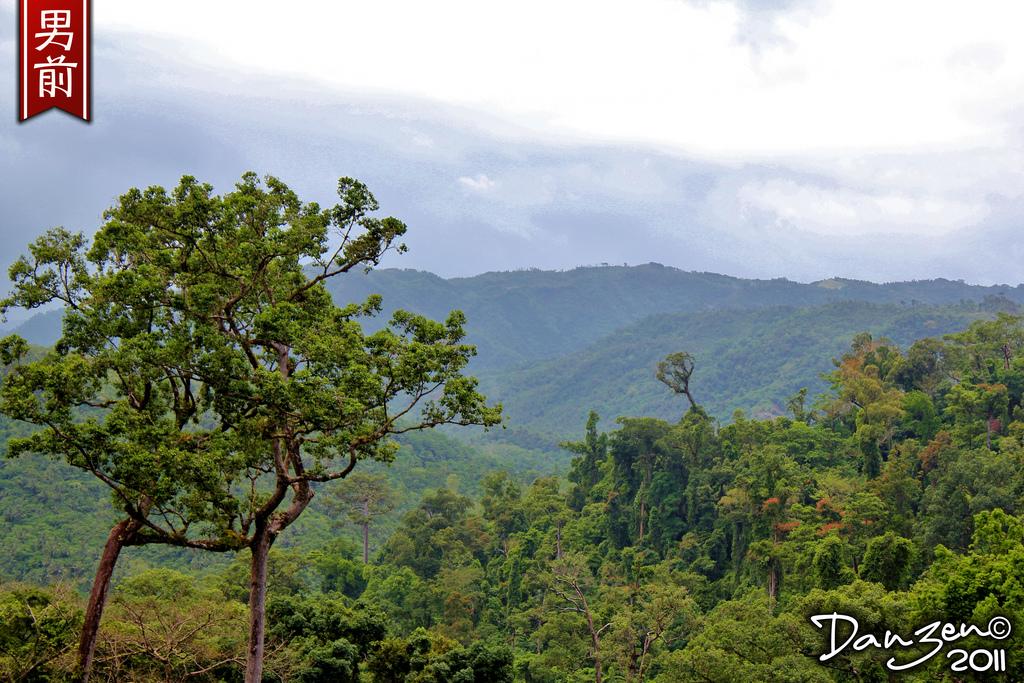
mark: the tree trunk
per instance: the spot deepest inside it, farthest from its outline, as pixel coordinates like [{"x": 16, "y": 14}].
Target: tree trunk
[
  {"x": 122, "y": 532},
  {"x": 595, "y": 635},
  {"x": 366, "y": 542},
  {"x": 773, "y": 584},
  {"x": 648, "y": 641},
  {"x": 262, "y": 541},
  {"x": 598, "y": 675},
  {"x": 689, "y": 396}
]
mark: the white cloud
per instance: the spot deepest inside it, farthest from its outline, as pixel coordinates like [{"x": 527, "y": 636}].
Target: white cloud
[
  {"x": 478, "y": 183},
  {"x": 903, "y": 115},
  {"x": 853, "y": 75},
  {"x": 846, "y": 212}
]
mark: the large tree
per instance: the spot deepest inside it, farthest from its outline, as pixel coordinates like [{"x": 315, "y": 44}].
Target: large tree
[
  {"x": 117, "y": 396},
  {"x": 206, "y": 375},
  {"x": 362, "y": 499}
]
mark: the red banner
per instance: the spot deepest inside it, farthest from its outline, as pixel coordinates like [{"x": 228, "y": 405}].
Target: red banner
[{"x": 54, "y": 57}]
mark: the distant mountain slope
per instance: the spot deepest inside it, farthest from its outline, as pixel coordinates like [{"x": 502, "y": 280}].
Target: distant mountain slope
[
  {"x": 553, "y": 345},
  {"x": 523, "y": 316},
  {"x": 55, "y": 518},
  {"x": 42, "y": 329},
  {"x": 749, "y": 359}
]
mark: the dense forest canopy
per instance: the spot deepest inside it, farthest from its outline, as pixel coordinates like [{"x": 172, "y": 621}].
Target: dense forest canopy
[{"x": 688, "y": 548}]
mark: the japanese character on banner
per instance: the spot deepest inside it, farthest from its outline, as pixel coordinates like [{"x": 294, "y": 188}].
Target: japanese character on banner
[
  {"x": 54, "y": 57},
  {"x": 54, "y": 76},
  {"x": 54, "y": 20}
]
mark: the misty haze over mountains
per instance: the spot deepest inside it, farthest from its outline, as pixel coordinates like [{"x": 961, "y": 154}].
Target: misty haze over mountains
[
  {"x": 483, "y": 191},
  {"x": 526, "y": 315},
  {"x": 552, "y": 345}
]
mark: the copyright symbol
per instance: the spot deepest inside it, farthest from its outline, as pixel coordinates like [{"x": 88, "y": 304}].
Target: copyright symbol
[{"x": 999, "y": 628}]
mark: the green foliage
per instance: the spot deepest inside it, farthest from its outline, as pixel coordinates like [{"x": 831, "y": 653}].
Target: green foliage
[
  {"x": 324, "y": 639},
  {"x": 434, "y": 532},
  {"x": 421, "y": 658},
  {"x": 586, "y": 470},
  {"x": 676, "y": 549},
  {"x": 162, "y": 625},
  {"x": 831, "y": 568},
  {"x": 875, "y": 609},
  {"x": 887, "y": 560},
  {"x": 198, "y": 353},
  {"x": 752, "y": 360},
  {"x": 739, "y": 640},
  {"x": 38, "y": 628},
  {"x": 50, "y": 533}
]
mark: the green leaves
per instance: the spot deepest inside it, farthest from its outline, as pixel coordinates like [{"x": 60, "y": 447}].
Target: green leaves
[
  {"x": 52, "y": 272},
  {"x": 201, "y": 353},
  {"x": 37, "y": 627},
  {"x": 887, "y": 560}
]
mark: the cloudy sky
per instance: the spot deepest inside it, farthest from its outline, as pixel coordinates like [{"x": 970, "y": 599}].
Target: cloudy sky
[{"x": 800, "y": 139}]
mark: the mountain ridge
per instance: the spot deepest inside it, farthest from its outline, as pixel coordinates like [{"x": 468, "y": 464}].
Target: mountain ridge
[
  {"x": 532, "y": 314},
  {"x": 746, "y": 359}
]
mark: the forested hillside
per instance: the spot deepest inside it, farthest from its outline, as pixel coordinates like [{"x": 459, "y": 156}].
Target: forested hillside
[
  {"x": 752, "y": 360},
  {"x": 552, "y": 345},
  {"x": 674, "y": 550},
  {"x": 54, "y": 517},
  {"x": 751, "y": 353},
  {"x": 529, "y": 315},
  {"x": 807, "y": 475}
]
